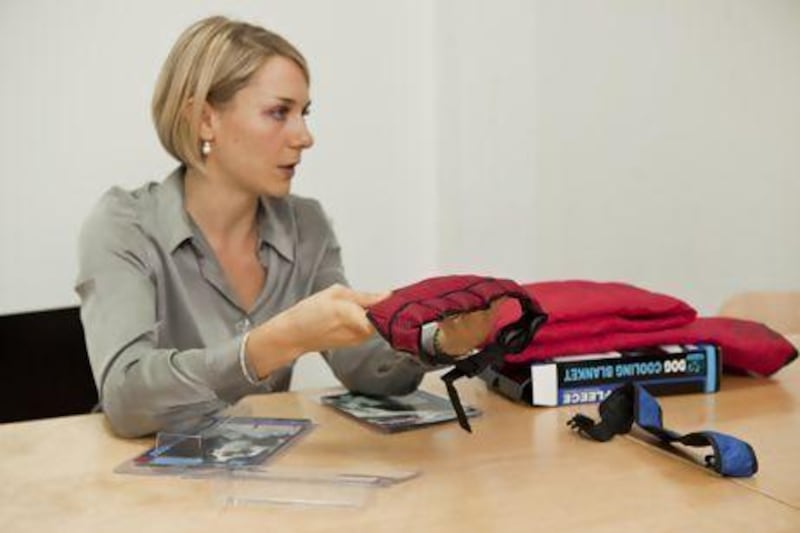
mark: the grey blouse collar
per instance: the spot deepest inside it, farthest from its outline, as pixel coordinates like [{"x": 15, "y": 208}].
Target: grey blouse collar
[{"x": 276, "y": 223}]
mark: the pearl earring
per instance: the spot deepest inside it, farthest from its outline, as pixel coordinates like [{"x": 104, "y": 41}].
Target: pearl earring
[{"x": 205, "y": 148}]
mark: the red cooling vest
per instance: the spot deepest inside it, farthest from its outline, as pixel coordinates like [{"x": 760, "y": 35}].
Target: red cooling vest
[{"x": 399, "y": 319}]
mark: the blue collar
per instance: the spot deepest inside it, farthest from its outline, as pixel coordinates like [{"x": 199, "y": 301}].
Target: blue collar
[{"x": 632, "y": 403}]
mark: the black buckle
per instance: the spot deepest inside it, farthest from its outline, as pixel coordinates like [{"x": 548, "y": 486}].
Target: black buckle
[{"x": 469, "y": 367}]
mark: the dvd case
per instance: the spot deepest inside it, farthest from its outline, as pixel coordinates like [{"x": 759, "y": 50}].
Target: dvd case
[
  {"x": 396, "y": 413},
  {"x": 662, "y": 370},
  {"x": 218, "y": 443}
]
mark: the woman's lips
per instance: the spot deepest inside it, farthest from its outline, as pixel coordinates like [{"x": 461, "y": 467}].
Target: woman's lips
[{"x": 287, "y": 170}]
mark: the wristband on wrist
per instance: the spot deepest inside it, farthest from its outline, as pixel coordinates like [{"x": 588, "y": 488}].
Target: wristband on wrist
[
  {"x": 430, "y": 351},
  {"x": 440, "y": 356},
  {"x": 437, "y": 345}
]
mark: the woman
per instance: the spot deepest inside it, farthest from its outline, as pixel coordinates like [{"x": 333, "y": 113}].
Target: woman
[{"x": 206, "y": 287}]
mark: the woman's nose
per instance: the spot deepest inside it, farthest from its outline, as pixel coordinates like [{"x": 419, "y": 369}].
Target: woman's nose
[{"x": 302, "y": 138}]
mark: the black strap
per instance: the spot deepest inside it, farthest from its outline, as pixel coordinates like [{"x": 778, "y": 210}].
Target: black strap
[
  {"x": 616, "y": 417},
  {"x": 512, "y": 338},
  {"x": 469, "y": 367}
]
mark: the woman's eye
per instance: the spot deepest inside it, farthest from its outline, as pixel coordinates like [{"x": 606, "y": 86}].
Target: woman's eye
[{"x": 279, "y": 113}]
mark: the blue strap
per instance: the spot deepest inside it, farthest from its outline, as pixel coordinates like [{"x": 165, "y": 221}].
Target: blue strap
[{"x": 632, "y": 403}]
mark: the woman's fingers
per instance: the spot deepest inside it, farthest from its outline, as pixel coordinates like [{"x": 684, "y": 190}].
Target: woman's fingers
[
  {"x": 355, "y": 319},
  {"x": 334, "y": 318}
]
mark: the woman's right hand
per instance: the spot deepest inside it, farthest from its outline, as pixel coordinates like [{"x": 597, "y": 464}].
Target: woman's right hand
[{"x": 332, "y": 318}]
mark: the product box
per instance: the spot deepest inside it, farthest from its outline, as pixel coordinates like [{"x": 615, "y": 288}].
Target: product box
[{"x": 669, "y": 369}]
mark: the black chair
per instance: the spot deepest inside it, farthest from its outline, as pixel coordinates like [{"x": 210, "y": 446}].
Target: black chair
[{"x": 44, "y": 368}]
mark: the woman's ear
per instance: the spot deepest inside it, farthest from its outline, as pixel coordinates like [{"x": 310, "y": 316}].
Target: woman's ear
[
  {"x": 208, "y": 122},
  {"x": 207, "y": 119}
]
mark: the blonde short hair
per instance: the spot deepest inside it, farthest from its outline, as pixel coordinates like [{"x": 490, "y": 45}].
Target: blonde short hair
[{"x": 210, "y": 62}]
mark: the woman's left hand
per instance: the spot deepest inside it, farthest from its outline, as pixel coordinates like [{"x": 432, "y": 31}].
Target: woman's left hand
[{"x": 462, "y": 333}]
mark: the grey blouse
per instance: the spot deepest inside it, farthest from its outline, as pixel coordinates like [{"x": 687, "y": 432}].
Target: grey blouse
[{"x": 164, "y": 329}]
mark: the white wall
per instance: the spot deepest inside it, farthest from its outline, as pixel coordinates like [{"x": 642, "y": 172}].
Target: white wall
[
  {"x": 647, "y": 141},
  {"x": 74, "y": 101}
]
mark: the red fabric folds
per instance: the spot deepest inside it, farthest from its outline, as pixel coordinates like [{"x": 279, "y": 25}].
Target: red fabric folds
[{"x": 592, "y": 317}]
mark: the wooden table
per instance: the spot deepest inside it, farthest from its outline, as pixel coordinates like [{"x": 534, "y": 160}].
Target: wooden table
[{"x": 521, "y": 470}]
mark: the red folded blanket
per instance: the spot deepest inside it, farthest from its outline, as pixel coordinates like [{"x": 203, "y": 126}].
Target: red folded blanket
[{"x": 591, "y": 317}]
